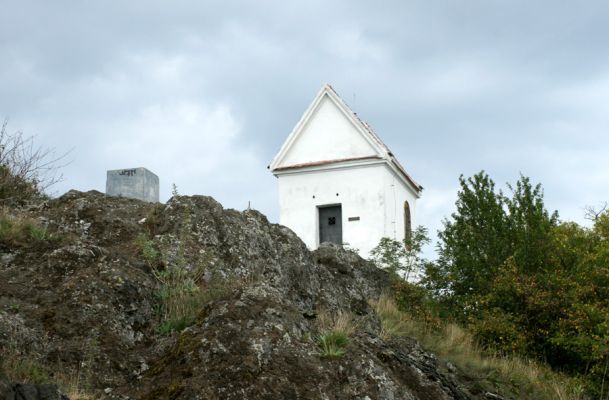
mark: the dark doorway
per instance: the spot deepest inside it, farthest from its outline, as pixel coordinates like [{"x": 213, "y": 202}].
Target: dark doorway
[{"x": 331, "y": 224}]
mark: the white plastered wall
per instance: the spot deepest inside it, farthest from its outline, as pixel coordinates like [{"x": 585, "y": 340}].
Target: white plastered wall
[
  {"x": 396, "y": 193},
  {"x": 328, "y": 135},
  {"x": 371, "y": 192}
]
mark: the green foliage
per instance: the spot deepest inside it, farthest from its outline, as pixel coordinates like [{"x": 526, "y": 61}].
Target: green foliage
[
  {"x": 472, "y": 243},
  {"x": 181, "y": 292},
  {"x": 402, "y": 259},
  {"x": 154, "y": 219},
  {"x": 525, "y": 283},
  {"x": 487, "y": 229},
  {"x": 530, "y": 225},
  {"x": 332, "y": 344},
  {"x": 335, "y": 331},
  {"x": 20, "y": 230},
  {"x": 416, "y": 300},
  {"x": 23, "y": 368},
  {"x": 147, "y": 250}
]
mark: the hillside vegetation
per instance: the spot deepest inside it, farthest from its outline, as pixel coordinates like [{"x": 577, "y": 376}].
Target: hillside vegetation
[
  {"x": 123, "y": 299},
  {"x": 523, "y": 282}
]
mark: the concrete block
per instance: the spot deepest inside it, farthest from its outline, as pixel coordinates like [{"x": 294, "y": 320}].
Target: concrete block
[{"x": 134, "y": 183}]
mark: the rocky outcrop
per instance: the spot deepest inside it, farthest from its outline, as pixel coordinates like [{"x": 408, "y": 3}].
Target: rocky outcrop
[{"x": 88, "y": 301}]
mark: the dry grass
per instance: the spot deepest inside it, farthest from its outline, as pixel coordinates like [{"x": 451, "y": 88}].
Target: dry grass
[
  {"x": 524, "y": 378},
  {"x": 23, "y": 368},
  {"x": 20, "y": 229},
  {"x": 340, "y": 322}
]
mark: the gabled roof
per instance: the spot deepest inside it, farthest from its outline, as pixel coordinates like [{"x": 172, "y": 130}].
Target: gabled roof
[{"x": 380, "y": 150}]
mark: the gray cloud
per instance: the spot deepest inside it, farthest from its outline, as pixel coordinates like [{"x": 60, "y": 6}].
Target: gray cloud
[{"x": 204, "y": 93}]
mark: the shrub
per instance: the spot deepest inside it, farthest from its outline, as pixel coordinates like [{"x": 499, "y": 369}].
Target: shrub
[
  {"x": 147, "y": 250},
  {"x": 499, "y": 330},
  {"x": 26, "y": 170},
  {"x": 402, "y": 259}
]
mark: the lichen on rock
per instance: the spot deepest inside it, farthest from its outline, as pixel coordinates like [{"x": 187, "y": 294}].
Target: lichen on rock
[{"x": 90, "y": 303}]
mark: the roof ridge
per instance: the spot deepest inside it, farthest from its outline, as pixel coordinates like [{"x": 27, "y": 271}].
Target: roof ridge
[{"x": 377, "y": 138}]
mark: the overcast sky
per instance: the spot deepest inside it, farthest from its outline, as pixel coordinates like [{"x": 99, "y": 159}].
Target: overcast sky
[{"x": 204, "y": 93}]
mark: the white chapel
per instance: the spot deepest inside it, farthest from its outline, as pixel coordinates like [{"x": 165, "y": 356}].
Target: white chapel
[{"x": 339, "y": 183}]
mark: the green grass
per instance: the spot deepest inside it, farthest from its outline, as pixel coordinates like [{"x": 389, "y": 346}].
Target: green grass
[
  {"x": 19, "y": 229},
  {"x": 335, "y": 331},
  {"x": 511, "y": 376},
  {"x": 332, "y": 344},
  {"x": 180, "y": 292},
  {"x": 23, "y": 369},
  {"x": 18, "y": 367}
]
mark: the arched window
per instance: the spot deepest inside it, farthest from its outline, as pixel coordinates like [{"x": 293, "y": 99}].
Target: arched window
[{"x": 407, "y": 222}]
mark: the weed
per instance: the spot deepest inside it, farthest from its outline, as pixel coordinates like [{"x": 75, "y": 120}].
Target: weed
[
  {"x": 146, "y": 248},
  {"x": 20, "y": 367},
  {"x": 154, "y": 218},
  {"x": 39, "y": 233},
  {"x": 181, "y": 293},
  {"x": 180, "y": 307}
]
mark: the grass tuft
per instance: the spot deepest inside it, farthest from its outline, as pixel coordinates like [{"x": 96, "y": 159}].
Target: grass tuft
[
  {"x": 19, "y": 229},
  {"x": 332, "y": 344},
  {"x": 24, "y": 368},
  {"x": 335, "y": 331}
]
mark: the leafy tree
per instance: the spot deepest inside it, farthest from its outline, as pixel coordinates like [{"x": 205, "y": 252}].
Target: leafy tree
[
  {"x": 402, "y": 259},
  {"x": 487, "y": 228},
  {"x": 524, "y": 282},
  {"x": 473, "y": 242},
  {"x": 529, "y": 224}
]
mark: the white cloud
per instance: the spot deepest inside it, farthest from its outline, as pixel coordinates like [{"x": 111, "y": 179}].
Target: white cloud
[{"x": 187, "y": 143}]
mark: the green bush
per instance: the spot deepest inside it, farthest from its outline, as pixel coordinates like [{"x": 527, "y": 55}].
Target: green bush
[
  {"x": 496, "y": 328},
  {"x": 411, "y": 297},
  {"x": 525, "y": 283},
  {"x": 146, "y": 248},
  {"x": 402, "y": 259},
  {"x": 154, "y": 218}
]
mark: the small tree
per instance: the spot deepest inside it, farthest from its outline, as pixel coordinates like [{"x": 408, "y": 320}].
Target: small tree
[
  {"x": 26, "y": 170},
  {"x": 402, "y": 259}
]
